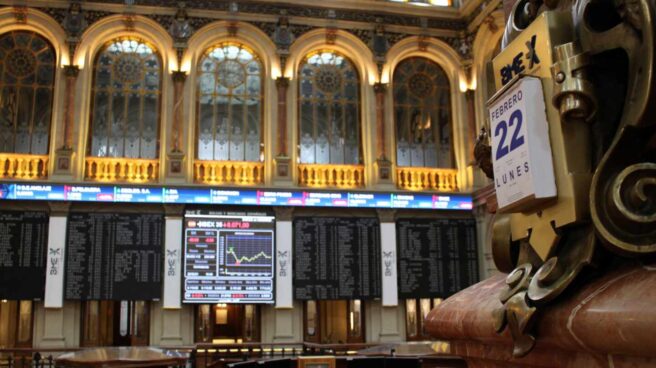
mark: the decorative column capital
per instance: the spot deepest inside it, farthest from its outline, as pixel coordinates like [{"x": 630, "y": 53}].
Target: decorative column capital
[
  {"x": 386, "y": 215},
  {"x": 59, "y": 208},
  {"x": 71, "y": 71},
  {"x": 284, "y": 213},
  {"x": 282, "y": 82},
  {"x": 179, "y": 76},
  {"x": 380, "y": 87}
]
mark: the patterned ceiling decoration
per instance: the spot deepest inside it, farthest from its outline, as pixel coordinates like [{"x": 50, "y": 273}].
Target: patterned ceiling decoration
[
  {"x": 366, "y": 33},
  {"x": 305, "y": 11}
]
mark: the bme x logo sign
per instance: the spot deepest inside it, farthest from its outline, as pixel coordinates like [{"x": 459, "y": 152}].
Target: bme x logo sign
[{"x": 517, "y": 66}]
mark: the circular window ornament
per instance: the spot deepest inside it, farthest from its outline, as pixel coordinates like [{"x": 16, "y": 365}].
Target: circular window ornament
[
  {"x": 421, "y": 85},
  {"x": 231, "y": 74},
  {"x": 328, "y": 79},
  {"x": 22, "y": 62},
  {"x": 128, "y": 68}
]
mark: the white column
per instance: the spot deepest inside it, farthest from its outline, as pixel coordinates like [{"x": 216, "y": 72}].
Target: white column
[
  {"x": 282, "y": 325},
  {"x": 57, "y": 327},
  {"x": 172, "y": 265},
  {"x": 54, "y": 297},
  {"x": 283, "y": 258},
  {"x": 171, "y": 327},
  {"x": 388, "y": 258}
]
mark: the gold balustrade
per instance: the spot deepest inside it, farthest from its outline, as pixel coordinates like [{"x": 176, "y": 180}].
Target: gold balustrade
[
  {"x": 424, "y": 178},
  {"x": 22, "y": 166},
  {"x": 339, "y": 176},
  {"x": 229, "y": 172},
  {"x": 122, "y": 169}
]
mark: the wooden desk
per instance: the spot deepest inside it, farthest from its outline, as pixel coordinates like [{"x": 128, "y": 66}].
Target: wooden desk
[{"x": 123, "y": 357}]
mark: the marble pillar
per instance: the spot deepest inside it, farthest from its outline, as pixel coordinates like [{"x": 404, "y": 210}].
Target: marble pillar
[
  {"x": 282, "y": 156},
  {"x": 608, "y": 322}
]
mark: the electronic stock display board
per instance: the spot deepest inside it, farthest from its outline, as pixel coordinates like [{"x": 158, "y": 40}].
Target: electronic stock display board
[
  {"x": 231, "y": 196},
  {"x": 114, "y": 256},
  {"x": 436, "y": 257},
  {"x": 23, "y": 243},
  {"x": 336, "y": 258},
  {"x": 228, "y": 257}
]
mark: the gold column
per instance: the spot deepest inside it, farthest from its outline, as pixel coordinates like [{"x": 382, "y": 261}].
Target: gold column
[
  {"x": 71, "y": 72},
  {"x": 179, "y": 78},
  {"x": 64, "y": 155},
  {"x": 282, "y": 83},
  {"x": 176, "y": 156},
  {"x": 380, "y": 89},
  {"x": 471, "y": 124},
  {"x": 384, "y": 166},
  {"x": 282, "y": 158}
]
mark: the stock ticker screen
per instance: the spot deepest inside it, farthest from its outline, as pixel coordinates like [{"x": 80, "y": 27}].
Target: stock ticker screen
[{"x": 228, "y": 257}]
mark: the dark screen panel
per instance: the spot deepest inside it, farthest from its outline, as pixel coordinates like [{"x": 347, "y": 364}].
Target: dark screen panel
[
  {"x": 23, "y": 243},
  {"x": 336, "y": 258},
  {"x": 436, "y": 257},
  {"x": 112, "y": 256}
]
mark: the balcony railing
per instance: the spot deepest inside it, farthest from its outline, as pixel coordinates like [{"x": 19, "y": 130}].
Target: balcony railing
[
  {"x": 229, "y": 172},
  {"x": 21, "y": 166},
  {"x": 339, "y": 176},
  {"x": 122, "y": 169},
  {"x": 423, "y": 178}
]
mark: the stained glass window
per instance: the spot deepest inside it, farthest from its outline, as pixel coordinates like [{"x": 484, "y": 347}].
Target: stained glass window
[
  {"x": 230, "y": 104},
  {"x": 126, "y": 100},
  {"x": 329, "y": 110},
  {"x": 27, "y": 75},
  {"x": 422, "y": 114}
]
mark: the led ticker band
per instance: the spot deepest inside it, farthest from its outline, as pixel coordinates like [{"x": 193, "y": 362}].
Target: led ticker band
[{"x": 232, "y": 196}]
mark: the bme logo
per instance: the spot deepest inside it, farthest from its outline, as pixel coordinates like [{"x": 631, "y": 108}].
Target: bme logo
[{"x": 517, "y": 66}]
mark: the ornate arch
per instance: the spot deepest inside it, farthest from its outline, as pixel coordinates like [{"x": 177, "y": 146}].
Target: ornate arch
[
  {"x": 47, "y": 27},
  {"x": 362, "y": 58},
  {"x": 92, "y": 42},
  {"x": 40, "y": 23},
  {"x": 487, "y": 37},
  {"x": 216, "y": 32},
  {"x": 449, "y": 60},
  {"x": 252, "y": 37},
  {"x": 344, "y": 42}
]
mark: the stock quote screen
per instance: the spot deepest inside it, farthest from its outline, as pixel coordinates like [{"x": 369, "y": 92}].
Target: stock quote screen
[{"x": 228, "y": 257}]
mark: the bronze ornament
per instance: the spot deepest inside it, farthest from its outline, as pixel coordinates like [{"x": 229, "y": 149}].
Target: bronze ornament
[{"x": 597, "y": 75}]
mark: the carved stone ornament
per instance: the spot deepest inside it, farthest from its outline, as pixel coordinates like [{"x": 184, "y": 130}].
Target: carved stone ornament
[
  {"x": 282, "y": 35},
  {"x": 180, "y": 27},
  {"x": 20, "y": 14},
  {"x": 74, "y": 22},
  {"x": 601, "y": 91}
]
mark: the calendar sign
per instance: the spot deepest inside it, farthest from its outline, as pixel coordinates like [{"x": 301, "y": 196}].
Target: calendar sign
[{"x": 521, "y": 152}]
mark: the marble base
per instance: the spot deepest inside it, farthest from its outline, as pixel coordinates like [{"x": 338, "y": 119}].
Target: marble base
[{"x": 608, "y": 322}]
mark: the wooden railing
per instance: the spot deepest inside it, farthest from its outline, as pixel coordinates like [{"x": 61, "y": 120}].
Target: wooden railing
[
  {"x": 338, "y": 176},
  {"x": 45, "y": 357},
  {"x": 423, "y": 178},
  {"x": 21, "y": 166},
  {"x": 122, "y": 169},
  {"x": 229, "y": 172}
]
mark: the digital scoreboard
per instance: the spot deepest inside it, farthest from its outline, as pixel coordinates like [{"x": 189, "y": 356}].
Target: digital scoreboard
[
  {"x": 336, "y": 258},
  {"x": 228, "y": 257},
  {"x": 126, "y": 193},
  {"x": 436, "y": 257}
]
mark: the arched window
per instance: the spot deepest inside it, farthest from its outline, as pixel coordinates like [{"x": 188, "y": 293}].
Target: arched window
[
  {"x": 27, "y": 77},
  {"x": 329, "y": 110},
  {"x": 230, "y": 104},
  {"x": 422, "y": 114},
  {"x": 126, "y": 100},
  {"x": 490, "y": 88}
]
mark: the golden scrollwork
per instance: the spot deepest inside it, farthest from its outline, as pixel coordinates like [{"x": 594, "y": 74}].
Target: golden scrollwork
[{"x": 601, "y": 87}]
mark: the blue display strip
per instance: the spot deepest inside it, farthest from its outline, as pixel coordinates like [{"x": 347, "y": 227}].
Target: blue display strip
[{"x": 237, "y": 196}]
